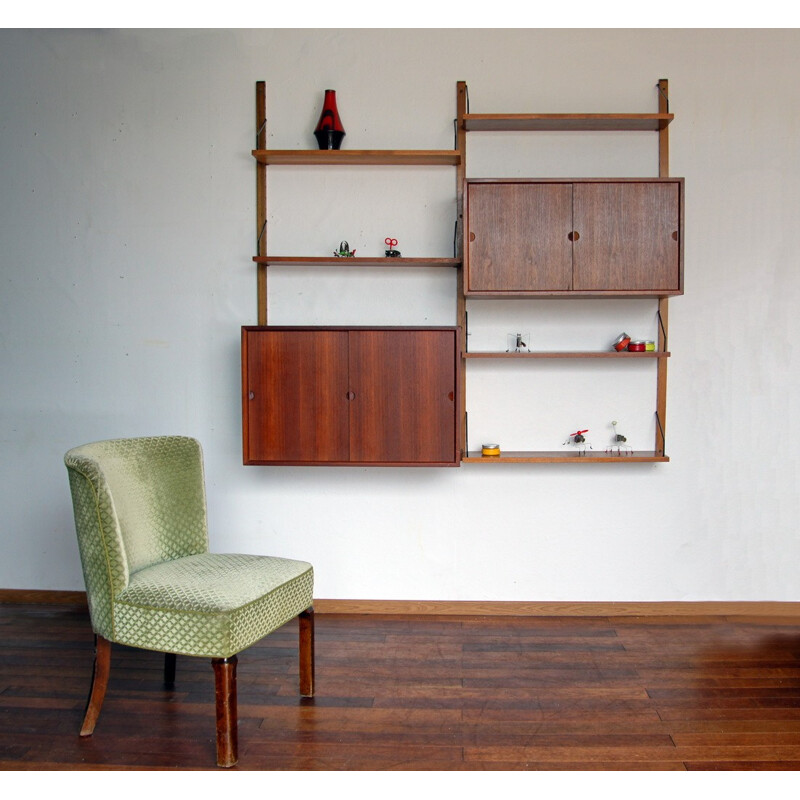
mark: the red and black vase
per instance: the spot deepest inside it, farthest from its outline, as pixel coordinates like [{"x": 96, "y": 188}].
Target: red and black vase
[{"x": 329, "y": 130}]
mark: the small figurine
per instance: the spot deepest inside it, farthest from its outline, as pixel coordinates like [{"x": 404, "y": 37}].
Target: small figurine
[
  {"x": 578, "y": 440},
  {"x": 618, "y": 443},
  {"x": 344, "y": 251},
  {"x": 517, "y": 343},
  {"x": 391, "y": 244}
]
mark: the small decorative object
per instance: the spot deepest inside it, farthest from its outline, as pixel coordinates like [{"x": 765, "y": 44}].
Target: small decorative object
[
  {"x": 578, "y": 441},
  {"x": 344, "y": 251},
  {"x": 649, "y": 345},
  {"x": 518, "y": 343},
  {"x": 391, "y": 244},
  {"x": 621, "y": 342},
  {"x": 639, "y": 346},
  {"x": 490, "y": 450},
  {"x": 618, "y": 443},
  {"x": 329, "y": 131}
]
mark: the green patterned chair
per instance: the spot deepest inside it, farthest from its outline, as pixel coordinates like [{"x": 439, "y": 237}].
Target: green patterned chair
[{"x": 140, "y": 516}]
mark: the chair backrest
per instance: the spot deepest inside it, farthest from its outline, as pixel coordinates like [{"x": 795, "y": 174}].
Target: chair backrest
[{"x": 137, "y": 502}]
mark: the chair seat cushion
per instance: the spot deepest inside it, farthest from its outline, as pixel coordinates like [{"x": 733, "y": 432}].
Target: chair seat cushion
[{"x": 212, "y": 604}]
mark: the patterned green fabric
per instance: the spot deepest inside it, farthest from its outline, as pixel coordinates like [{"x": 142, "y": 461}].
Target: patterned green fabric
[
  {"x": 140, "y": 516},
  {"x": 211, "y": 604}
]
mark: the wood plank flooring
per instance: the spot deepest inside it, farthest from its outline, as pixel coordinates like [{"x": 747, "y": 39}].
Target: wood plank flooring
[{"x": 421, "y": 693}]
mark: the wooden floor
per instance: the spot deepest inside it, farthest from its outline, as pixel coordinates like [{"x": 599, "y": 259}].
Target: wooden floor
[{"x": 421, "y": 693}]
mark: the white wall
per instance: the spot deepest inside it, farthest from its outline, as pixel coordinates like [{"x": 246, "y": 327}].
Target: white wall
[{"x": 127, "y": 226}]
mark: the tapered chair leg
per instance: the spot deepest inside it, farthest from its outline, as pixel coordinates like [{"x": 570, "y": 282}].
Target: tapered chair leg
[
  {"x": 97, "y": 692},
  {"x": 306, "y": 621},
  {"x": 227, "y": 714}
]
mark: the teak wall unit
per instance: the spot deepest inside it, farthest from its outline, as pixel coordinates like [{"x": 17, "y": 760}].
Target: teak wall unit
[
  {"x": 346, "y": 396},
  {"x": 571, "y": 238},
  {"x": 304, "y": 388}
]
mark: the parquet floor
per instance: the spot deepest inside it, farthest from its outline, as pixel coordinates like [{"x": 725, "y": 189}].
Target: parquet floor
[{"x": 420, "y": 693}]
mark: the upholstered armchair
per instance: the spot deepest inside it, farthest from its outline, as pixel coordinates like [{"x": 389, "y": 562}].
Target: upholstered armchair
[{"x": 151, "y": 582}]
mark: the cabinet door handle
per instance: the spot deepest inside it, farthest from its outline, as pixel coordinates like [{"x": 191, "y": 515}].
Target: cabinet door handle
[
  {"x": 251, "y": 395},
  {"x": 573, "y": 236},
  {"x": 471, "y": 236},
  {"x": 675, "y": 235},
  {"x": 351, "y": 395}
]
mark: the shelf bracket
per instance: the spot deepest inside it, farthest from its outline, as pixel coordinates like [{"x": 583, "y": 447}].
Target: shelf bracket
[
  {"x": 663, "y": 329},
  {"x": 663, "y": 437},
  {"x": 260, "y": 130},
  {"x": 260, "y": 238}
]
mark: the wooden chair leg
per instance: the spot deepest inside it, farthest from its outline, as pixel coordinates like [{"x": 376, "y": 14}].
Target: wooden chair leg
[
  {"x": 306, "y": 620},
  {"x": 97, "y": 692},
  {"x": 227, "y": 714},
  {"x": 169, "y": 668}
]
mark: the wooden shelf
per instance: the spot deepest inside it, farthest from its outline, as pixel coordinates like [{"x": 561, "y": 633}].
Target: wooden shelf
[
  {"x": 357, "y": 261},
  {"x": 451, "y": 158},
  {"x": 563, "y": 457},
  {"x": 572, "y": 354},
  {"x": 566, "y": 122}
]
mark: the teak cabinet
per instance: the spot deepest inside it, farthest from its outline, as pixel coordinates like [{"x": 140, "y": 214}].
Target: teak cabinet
[
  {"x": 346, "y": 396},
  {"x": 592, "y": 237}
]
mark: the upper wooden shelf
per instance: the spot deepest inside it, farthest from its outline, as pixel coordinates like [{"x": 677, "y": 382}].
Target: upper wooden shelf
[
  {"x": 356, "y": 261},
  {"x": 450, "y": 158},
  {"x": 566, "y": 122}
]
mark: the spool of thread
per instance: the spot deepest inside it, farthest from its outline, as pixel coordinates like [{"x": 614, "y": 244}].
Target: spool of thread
[
  {"x": 490, "y": 450},
  {"x": 621, "y": 342}
]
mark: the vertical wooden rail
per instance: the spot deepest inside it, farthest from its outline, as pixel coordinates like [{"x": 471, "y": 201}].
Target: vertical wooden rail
[
  {"x": 663, "y": 131},
  {"x": 261, "y": 200},
  {"x": 663, "y": 302},
  {"x": 461, "y": 312}
]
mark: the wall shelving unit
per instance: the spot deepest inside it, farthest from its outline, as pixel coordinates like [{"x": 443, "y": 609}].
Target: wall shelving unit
[
  {"x": 465, "y": 123},
  {"x": 657, "y": 123},
  {"x": 346, "y": 395}
]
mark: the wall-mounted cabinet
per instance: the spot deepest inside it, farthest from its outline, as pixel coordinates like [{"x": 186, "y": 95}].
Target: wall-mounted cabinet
[
  {"x": 570, "y": 237},
  {"x": 350, "y": 396}
]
